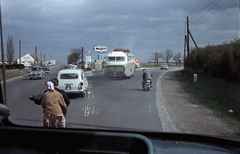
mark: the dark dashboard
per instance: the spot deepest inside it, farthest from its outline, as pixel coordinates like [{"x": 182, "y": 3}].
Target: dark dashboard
[{"x": 19, "y": 139}]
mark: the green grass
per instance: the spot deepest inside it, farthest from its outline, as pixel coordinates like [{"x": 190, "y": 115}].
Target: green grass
[
  {"x": 146, "y": 64},
  {"x": 217, "y": 94},
  {"x": 14, "y": 73}
]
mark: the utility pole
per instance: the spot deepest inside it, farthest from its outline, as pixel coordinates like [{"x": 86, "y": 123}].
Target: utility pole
[
  {"x": 185, "y": 42},
  {"x": 3, "y": 62},
  {"x": 82, "y": 59},
  {"x": 41, "y": 57},
  {"x": 188, "y": 43},
  {"x": 35, "y": 56},
  {"x": 20, "y": 54}
]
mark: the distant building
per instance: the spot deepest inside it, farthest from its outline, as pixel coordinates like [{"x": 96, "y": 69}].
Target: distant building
[
  {"x": 28, "y": 60},
  {"x": 50, "y": 63}
]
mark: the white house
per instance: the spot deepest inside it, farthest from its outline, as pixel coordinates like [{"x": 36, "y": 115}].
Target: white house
[{"x": 28, "y": 59}]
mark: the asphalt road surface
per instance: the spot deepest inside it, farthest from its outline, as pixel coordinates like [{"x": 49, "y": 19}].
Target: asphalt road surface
[{"x": 116, "y": 104}]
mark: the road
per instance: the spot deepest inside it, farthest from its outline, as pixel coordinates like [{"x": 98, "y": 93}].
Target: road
[{"x": 110, "y": 104}]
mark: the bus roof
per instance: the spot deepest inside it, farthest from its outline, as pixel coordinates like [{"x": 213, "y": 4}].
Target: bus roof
[{"x": 119, "y": 53}]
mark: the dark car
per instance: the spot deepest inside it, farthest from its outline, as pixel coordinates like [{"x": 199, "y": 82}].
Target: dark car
[
  {"x": 46, "y": 69},
  {"x": 37, "y": 73}
]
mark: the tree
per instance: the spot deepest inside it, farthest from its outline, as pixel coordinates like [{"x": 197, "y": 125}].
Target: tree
[
  {"x": 168, "y": 55},
  {"x": 157, "y": 56},
  {"x": 10, "y": 49},
  {"x": 75, "y": 56},
  {"x": 176, "y": 57}
]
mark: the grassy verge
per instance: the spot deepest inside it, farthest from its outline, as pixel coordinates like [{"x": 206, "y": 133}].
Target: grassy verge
[
  {"x": 146, "y": 64},
  {"x": 14, "y": 73},
  {"x": 218, "y": 95}
]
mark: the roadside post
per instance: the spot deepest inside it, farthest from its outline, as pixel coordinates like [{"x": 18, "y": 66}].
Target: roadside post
[
  {"x": 195, "y": 78},
  {"x": 179, "y": 62}
]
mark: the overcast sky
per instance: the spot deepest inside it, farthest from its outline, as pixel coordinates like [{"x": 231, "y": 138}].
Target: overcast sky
[{"x": 142, "y": 26}]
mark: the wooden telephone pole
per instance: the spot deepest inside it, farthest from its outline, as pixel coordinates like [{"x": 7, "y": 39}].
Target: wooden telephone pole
[
  {"x": 187, "y": 39},
  {"x": 188, "y": 43}
]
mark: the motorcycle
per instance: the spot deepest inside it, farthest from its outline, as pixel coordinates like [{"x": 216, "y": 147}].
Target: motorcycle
[{"x": 147, "y": 85}]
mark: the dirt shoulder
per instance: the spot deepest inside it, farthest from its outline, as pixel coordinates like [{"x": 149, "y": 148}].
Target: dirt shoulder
[{"x": 183, "y": 114}]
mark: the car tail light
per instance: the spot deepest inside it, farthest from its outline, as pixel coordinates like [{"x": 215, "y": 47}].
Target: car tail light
[{"x": 81, "y": 84}]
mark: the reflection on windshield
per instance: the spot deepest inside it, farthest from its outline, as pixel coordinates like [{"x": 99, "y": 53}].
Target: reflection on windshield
[{"x": 189, "y": 38}]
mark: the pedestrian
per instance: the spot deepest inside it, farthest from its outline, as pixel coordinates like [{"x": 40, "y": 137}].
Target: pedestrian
[{"x": 53, "y": 102}]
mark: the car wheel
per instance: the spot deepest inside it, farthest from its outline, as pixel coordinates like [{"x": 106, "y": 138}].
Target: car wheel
[
  {"x": 82, "y": 94},
  {"x": 30, "y": 78}
]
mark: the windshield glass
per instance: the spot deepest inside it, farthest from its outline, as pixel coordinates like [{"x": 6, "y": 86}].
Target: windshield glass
[
  {"x": 120, "y": 59},
  {"x": 197, "y": 91},
  {"x": 111, "y": 59},
  {"x": 36, "y": 69}
]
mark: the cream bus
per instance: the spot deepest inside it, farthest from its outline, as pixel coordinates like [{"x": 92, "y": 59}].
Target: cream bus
[{"x": 120, "y": 62}]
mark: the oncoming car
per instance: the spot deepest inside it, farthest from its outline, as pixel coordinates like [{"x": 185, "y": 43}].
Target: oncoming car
[
  {"x": 164, "y": 66},
  {"x": 72, "y": 81},
  {"x": 46, "y": 69},
  {"x": 37, "y": 72}
]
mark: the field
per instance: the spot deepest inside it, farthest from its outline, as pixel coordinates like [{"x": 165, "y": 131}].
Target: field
[{"x": 152, "y": 64}]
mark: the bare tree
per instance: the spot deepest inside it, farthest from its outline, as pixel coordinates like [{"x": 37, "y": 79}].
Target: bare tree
[
  {"x": 156, "y": 56},
  {"x": 75, "y": 56},
  {"x": 10, "y": 49},
  {"x": 176, "y": 57},
  {"x": 168, "y": 55}
]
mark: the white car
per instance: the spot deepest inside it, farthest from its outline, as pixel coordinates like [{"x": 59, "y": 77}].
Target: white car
[
  {"x": 72, "y": 81},
  {"x": 164, "y": 66}
]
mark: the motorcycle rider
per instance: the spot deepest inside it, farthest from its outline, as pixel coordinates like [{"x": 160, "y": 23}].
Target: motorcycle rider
[
  {"x": 65, "y": 97},
  {"x": 146, "y": 76}
]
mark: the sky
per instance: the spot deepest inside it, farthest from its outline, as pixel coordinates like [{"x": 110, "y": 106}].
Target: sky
[{"x": 142, "y": 26}]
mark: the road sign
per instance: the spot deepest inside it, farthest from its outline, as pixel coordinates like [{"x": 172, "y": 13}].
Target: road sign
[{"x": 100, "y": 49}]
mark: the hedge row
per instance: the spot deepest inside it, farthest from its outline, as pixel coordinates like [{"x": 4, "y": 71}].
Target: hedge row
[{"x": 221, "y": 61}]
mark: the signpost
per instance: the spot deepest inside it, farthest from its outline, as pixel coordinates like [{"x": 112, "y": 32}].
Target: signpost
[{"x": 101, "y": 49}]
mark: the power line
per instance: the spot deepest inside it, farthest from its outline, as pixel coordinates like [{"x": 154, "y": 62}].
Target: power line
[
  {"x": 203, "y": 8},
  {"x": 196, "y": 8},
  {"x": 206, "y": 12}
]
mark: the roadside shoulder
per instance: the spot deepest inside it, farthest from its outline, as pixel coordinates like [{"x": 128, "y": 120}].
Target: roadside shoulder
[{"x": 186, "y": 115}]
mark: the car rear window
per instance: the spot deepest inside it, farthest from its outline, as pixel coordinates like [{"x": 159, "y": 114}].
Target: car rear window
[{"x": 69, "y": 76}]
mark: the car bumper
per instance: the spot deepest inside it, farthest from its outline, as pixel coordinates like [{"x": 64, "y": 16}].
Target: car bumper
[
  {"x": 78, "y": 91},
  {"x": 164, "y": 67},
  {"x": 115, "y": 74},
  {"x": 35, "y": 76}
]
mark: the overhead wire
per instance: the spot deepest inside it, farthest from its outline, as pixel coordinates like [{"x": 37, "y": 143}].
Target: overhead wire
[
  {"x": 206, "y": 12},
  {"x": 195, "y": 8},
  {"x": 203, "y": 8}
]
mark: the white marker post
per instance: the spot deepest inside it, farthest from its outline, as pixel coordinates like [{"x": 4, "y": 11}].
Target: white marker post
[{"x": 195, "y": 77}]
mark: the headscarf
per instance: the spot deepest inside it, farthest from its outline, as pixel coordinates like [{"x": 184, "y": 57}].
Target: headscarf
[{"x": 50, "y": 85}]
